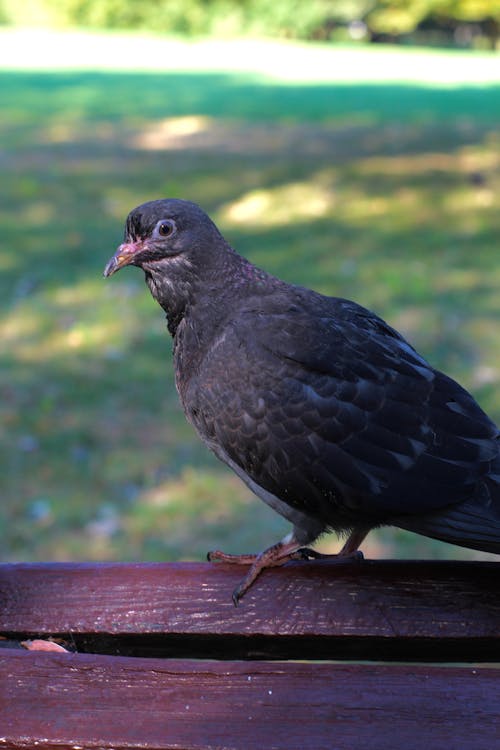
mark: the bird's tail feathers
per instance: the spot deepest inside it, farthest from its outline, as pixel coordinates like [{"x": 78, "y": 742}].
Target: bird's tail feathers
[{"x": 474, "y": 524}]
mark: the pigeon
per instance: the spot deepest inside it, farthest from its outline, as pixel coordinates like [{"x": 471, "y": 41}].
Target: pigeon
[{"x": 323, "y": 409}]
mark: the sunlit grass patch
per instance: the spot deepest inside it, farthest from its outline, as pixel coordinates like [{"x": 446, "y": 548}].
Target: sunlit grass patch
[{"x": 282, "y": 205}]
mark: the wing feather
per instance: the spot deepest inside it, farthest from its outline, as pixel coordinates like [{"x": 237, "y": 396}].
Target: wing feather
[{"x": 326, "y": 399}]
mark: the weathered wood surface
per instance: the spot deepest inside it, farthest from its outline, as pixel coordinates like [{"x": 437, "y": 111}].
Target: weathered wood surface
[
  {"x": 88, "y": 701},
  {"x": 309, "y": 610},
  {"x": 440, "y": 611}
]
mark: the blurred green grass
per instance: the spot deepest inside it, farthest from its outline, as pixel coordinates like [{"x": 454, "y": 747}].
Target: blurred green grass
[{"x": 385, "y": 192}]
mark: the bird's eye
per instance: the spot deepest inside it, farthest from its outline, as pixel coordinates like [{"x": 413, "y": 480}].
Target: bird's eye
[{"x": 164, "y": 228}]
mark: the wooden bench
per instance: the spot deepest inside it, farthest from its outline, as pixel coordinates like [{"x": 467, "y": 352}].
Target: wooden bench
[{"x": 382, "y": 655}]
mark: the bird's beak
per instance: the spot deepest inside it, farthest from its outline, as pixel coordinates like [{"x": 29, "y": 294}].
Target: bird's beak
[{"x": 124, "y": 256}]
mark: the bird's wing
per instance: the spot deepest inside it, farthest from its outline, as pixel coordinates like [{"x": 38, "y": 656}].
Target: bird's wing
[{"x": 332, "y": 406}]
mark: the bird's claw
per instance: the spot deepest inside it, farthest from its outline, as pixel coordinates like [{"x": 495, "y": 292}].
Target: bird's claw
[{"x": 236, "y": 596}]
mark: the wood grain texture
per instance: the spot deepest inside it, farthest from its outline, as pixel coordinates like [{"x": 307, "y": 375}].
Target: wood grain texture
[
  {"x": 309, "y": 610},
  {"x": 440, "y": 610},
  {"x": 87, "y": 701}
]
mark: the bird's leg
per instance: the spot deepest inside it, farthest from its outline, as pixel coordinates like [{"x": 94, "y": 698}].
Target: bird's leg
[
  {"x": 353, "y": 541},
  {"x": 284, "y": 551},
  {"x": 350, "y": 550}
]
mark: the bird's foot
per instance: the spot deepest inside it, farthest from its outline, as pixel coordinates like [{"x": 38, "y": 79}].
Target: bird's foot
[
  {"x": 306, "y": 553},
  {"x": 282, "y": 552},
  {"x": 348, "y": 553},
  {"x": 279, "y": 554}
]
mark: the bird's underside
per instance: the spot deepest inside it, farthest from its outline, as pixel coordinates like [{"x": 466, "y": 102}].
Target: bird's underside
[{"x": 318, "y": 405}]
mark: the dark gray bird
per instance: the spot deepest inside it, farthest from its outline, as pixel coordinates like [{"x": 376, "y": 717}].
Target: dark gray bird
[{"x": 318, "y": 405}]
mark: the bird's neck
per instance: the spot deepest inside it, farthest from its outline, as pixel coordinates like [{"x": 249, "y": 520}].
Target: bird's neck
[{"x": 204, "y": 297}]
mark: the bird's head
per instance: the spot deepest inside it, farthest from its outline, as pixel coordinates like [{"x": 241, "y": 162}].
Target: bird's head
[
  {"x": 160, "y": 231},
  {"x": 181, "y": 251}
]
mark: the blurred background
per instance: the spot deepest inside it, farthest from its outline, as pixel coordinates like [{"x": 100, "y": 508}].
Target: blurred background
[{"x": 349, "y": 146}]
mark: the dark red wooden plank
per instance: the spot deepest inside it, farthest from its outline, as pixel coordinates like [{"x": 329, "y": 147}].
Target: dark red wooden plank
[
  {"x": 87, "y": 701},
  {"x": 385, "y": 604}
]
